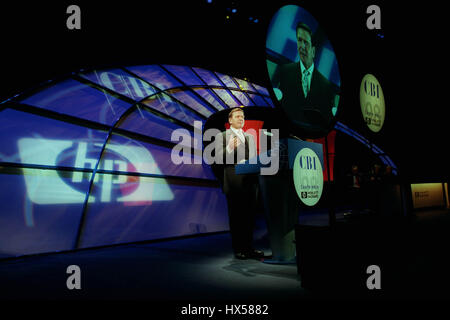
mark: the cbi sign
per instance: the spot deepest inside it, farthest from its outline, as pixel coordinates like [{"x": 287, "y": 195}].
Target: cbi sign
[
  {"x": 308, "y": 176},
  {"x": 371, "y": 99}
]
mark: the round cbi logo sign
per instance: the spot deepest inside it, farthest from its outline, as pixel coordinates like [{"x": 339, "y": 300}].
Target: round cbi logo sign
[
  {"x": 371, "y": 99},
  {"x": 308, "y": 176}
]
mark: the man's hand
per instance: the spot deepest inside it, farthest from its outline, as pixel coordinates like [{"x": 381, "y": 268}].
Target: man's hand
[{"x": 233, "y": 143}]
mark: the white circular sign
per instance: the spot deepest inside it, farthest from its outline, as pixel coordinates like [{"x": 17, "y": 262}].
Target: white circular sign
[
  {"x": 308, "y": 176},
  {"x": 371, "y": 98}
]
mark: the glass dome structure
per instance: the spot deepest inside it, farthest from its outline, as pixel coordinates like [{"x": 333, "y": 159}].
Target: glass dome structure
[{"x": 86, "y": 161}]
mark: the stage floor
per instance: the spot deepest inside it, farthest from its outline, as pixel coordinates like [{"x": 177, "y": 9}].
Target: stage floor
[{"x": 202, "y": 269}]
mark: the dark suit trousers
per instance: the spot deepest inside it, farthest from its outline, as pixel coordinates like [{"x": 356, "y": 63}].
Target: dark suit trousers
[{"x": 241, "y": 213}]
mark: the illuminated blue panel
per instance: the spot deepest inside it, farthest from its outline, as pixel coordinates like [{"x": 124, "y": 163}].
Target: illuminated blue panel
[
  {"x": 41, "y": 210},
  {"x": 327, "y": 64},
  {"x": 156, "y": 76},
  {"x": 269, "y": 101},
  {"x": 340, "y": 126},
  {"x": 361, "y": 138},
  {"x": 185, "y": 74},
  {"x": 376, "y": 150},
  {"x": 76, "y": 99},
  {"x": 126, "y": 155},
  {"x": 129, "y": 209},
  {"x": 259, "y": 101},
  {"x": 384, "y": 160},
  {"x": 163, "y": 103},
  {"x": 227, "y": 98},
  {"x": 31, "y": 139},
  {"x": 245, "y": 101},
  {"x": 261, "y": 90},
  {"x": 121, "y": 82},
  {"x": 209, "y": 96},
  {"x": 245, "y": 85},
  {"x": 191, "y": 100},
  {"x": 144, "y": 122},
  {"x": 388, "y": 161},
  {"x": 227, "y": 80},
  {"x": 208, "y": 76}
]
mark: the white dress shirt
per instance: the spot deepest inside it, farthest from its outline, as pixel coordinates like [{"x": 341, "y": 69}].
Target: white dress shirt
[{"x": 239, "y": 133}]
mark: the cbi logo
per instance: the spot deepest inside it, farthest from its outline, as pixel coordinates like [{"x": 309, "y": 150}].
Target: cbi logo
[
  {"x": 372, "y": 112},
  {"x": 307, "y": 162},
  {"x": 372, "y": 103},
  {"x": 310, "y": 179},
  {"x": 57, "y": 187},
  {"x": 308, "y": 176}
]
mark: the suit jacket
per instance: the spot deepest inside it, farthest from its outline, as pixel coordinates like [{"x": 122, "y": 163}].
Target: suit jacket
[
  {"x": 232, "y": 182},
  {"x": 316, "y": 108}
]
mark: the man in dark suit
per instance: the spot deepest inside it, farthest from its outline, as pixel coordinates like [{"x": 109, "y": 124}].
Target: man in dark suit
[
  {"x": 234, "y": 146},
  {"x": 308, "y": 97}
]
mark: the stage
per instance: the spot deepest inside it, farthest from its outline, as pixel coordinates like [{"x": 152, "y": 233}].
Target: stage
[{"x": 202, "y": 269}]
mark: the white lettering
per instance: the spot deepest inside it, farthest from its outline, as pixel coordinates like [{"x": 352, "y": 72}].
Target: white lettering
[
  {"x": 374, "y": 281},
  {"x": 374, "y": 20},
  {"x": 74, "y": 280},
  {"x": 181, "y": 152},
  {"x": 74, "y": 20},
  {"x": 209, "y": 311}
]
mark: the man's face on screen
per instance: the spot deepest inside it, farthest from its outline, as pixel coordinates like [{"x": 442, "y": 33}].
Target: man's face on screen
[
  {"x": 237, "y": 120},
  {"x": 305, "y": 48}
]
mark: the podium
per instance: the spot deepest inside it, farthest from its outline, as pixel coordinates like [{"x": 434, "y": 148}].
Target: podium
[{"x": 281, "y": 202}]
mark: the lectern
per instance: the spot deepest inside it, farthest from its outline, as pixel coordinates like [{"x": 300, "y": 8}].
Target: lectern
[{"x": 281, "y": 201}]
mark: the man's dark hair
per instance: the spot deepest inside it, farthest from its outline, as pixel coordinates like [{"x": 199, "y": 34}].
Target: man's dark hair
[{"x": 304, "y": 26}]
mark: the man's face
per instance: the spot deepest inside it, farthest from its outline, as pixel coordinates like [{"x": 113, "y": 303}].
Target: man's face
[
  {"x": 305, "y": 48},
  {"x": 237, "y": 120}
]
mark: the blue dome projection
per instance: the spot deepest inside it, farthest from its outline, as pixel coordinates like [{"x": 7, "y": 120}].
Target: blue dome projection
[{"x": 86, "y": 161}]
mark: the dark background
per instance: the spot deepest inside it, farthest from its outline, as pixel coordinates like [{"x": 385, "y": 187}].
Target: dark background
[{"x": 410, "y": 61}]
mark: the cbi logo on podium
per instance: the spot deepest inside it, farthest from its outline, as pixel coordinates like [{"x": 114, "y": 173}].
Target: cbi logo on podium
[{"x": 308, "y": 176}]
